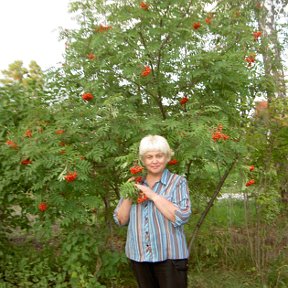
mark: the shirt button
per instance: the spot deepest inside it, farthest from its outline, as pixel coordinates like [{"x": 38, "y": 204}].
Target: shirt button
[
  {"x": 148, "y": 248},
  {"x": 147, "y": 237}
]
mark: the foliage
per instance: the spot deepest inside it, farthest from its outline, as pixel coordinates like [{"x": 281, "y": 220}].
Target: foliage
[
  {"x": 228, "y": 246},
  {"x": 69, "y": 136},
  {"x": 128, "y": 190}
]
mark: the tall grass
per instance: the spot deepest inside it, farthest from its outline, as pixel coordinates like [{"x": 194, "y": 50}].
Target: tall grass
[{"x": 236, "y": 249}]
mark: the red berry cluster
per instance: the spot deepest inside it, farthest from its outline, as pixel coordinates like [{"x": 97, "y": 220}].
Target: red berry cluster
[
  {"x": 146, "y": 71},
  {"x": 71, "y": 176},
  {"x": 42, "y": 206},
  {"x": 135, "y": 170},
  {"x": 59, "y": 132},
  {"x": 87, "y": 96},
  {"x": 251, "y": 181},
  {"x": 196, "y": 25},
  {"x": 144, "y": 6},
  {"x": 208, "y": 20},
  {"x": 256, "y": 35},
  {"x": 184, "y": 100},
  {"x": 11, "y": 144},
  {"x": 91, "y": 56},
  {"x": 26, "y": 162},
  {"x": 250, "y": 59},
  {"x": 173, "y": 162},
  {"x": 218, "y": 135},
  {"x": 28, "y": 133},
  {"x": 103, "y": 28}
]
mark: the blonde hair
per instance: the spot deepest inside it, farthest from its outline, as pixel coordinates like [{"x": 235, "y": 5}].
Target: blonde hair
[{"x": 155, "y": 143}]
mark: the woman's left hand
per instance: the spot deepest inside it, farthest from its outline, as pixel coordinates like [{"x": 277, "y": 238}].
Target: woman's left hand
[{"x": 147, "y": 191}]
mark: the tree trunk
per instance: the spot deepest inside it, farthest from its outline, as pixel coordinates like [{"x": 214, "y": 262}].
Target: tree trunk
[{"x": 210, "y": 204}]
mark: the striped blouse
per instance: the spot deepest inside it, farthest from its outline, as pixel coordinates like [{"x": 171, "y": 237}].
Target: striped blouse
[{"x": 150, "y": 236}]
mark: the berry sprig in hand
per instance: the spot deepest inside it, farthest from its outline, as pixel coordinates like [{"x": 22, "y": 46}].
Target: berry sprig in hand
[
  {"x": 129, "y": 190},
  {"x": 141, "y": 197},
  {"x": 136, "y": 170}
]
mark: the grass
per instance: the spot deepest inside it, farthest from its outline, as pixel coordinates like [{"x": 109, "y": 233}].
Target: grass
[
  {"x": 235, "y": 249},
  {"x": 228, "y": 212},
  {"x": 222, "y": 279},
  {"x": 225, "y": 253}
]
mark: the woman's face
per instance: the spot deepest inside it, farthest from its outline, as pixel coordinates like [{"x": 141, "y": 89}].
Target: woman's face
[{"x": 155, "y": 162}]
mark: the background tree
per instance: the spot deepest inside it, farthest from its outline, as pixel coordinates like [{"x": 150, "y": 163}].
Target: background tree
[
  {"x": 186, "y": 70},
  {"x": 270, "y": 16}
]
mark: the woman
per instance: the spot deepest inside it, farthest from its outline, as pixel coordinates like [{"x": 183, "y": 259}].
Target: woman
[{"x": 156, "y": 243}]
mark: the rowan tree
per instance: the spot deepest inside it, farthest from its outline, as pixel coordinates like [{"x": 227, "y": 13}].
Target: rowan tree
[{"x": 184, "y": 69}]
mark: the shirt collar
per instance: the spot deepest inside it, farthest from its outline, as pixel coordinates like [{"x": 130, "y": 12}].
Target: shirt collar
[{"x": 165, "y": 176}]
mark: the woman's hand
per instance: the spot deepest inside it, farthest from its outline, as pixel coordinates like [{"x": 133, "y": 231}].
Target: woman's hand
[
  {"x": 147, "y": 191},
  {"x": 166, "y": 207}
]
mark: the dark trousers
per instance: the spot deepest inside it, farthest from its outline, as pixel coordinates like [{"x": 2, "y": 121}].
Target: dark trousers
[{"x": 166, "y": 274}]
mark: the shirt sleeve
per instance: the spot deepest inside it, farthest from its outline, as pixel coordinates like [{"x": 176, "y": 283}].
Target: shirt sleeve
[
  {"x": 183, "y": 203},
  {"x": 115, "y": 213}
]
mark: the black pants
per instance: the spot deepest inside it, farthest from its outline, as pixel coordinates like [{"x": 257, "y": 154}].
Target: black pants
[{"x": 166, "y": 274}]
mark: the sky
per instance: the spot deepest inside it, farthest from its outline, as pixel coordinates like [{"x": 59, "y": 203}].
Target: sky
[{"x": 29, "y": 30}]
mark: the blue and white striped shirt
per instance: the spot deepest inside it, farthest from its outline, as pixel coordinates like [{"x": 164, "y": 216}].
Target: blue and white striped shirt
[{"x": 150, "y": 236}]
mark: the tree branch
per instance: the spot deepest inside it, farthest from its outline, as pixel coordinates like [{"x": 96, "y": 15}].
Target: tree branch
[{"x": 210, "y": 203}]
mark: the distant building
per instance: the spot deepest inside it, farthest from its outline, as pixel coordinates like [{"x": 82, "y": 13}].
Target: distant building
[{"x": 261, "y": 108}]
